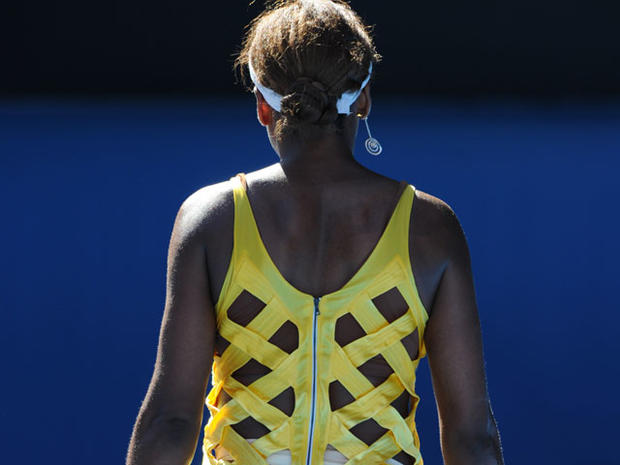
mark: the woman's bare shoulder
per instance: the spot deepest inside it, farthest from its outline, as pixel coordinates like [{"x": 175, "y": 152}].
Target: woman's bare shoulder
[
  {"x": 436, "y": 223},
  {"x": 207, "y": 210},
  {"x": 432, "y": 208},
  {"x": 435, "y": 218}
]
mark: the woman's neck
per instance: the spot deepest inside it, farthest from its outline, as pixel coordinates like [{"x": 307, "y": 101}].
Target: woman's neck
[{"x": 329, "y": 158}]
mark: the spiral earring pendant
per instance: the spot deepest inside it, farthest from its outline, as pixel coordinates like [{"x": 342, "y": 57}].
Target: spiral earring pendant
[{"x": 372, "y": 145}]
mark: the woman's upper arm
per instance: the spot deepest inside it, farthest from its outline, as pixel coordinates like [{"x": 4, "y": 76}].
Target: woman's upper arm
[
  {"x": 454, "y": 342},
  {"x": 185, "y": 350}
]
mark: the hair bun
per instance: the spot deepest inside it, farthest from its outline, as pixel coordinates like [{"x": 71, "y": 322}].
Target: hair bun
[{"x": 307, "y": 101}]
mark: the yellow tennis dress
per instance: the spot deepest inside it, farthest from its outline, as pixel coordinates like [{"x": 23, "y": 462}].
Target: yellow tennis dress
[{"x": 309, "y": 368}]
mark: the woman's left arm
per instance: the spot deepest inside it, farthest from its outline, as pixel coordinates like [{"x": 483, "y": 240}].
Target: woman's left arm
[
  {"x": 168, "y": 424},
  {"x": 468, "y": 430}
]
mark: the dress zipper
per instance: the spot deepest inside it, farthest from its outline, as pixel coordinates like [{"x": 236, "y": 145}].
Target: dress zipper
[{"x": 314, "y": 383}]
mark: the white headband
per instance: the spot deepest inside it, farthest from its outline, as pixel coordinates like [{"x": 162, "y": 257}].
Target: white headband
[{"x": 274, "y": 99}]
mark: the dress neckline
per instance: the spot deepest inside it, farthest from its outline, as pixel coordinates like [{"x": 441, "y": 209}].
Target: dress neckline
[{"x": 401, "y": 195}]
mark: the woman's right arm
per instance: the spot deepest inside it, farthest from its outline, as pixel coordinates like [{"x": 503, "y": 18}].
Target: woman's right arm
[
  {"x": 468, "y": 430},
  {"x": 168, "y": 424}
]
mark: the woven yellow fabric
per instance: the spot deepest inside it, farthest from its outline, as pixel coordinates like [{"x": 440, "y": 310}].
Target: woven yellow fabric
[{"x": 318, "y": 360}]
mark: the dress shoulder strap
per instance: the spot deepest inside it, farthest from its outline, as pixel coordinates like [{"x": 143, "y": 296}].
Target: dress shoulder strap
[
  {"x": 241, "y": 176},
  {"x": 246, "y": 235},
  {"x": 247, "y": 239},
  {"x": 394, "y": 241},
  {"x": 246, "y": 242},
  {"x": 396, "y": 233}
]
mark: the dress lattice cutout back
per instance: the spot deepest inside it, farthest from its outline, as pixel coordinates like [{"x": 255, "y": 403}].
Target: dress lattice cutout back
[{"x": 295, "y": 346}]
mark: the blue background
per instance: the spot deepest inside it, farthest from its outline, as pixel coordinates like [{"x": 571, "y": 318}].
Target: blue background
[{"x": 90, "y": 189}]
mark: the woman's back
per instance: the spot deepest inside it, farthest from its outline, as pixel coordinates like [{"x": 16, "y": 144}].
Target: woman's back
[
  {"x": 373, "y": 220},
  {"x": 317, "y": 233}
]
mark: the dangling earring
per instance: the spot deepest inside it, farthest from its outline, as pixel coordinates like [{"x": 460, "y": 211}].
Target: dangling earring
[{"x": 372, "y": 145}]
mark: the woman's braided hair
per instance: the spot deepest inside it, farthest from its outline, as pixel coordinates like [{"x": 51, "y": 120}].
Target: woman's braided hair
[{"x": 310, "y": 52}]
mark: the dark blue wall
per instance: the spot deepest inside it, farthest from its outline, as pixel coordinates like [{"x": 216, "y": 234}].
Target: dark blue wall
[
  {"x": 450, "y": 47},
  {"x": 89, "y": 193}
]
